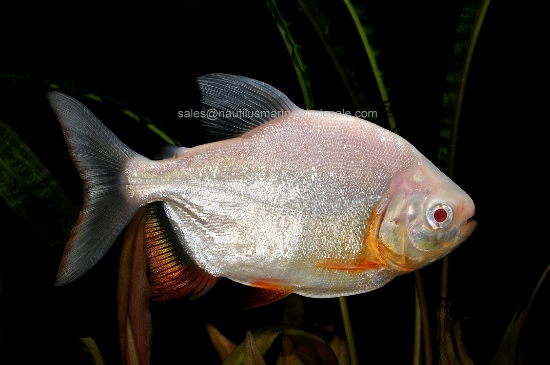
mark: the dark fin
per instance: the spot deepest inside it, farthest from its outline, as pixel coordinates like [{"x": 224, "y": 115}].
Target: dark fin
[
  {"x": 357, "y": 265},
  {"x": 173, "y": 273},
  {"x": 169, "y": 151},
  {"x": 263, "y": 293},
  {"x": 237, "y": 104},
  {"x": 100, "y": 158}
]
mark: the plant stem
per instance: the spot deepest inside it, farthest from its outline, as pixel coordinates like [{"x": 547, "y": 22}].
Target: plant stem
[
  {"x": 425, "y": 319},
  {"x": 349, "y": 332},
  {"x": 417, "y": 329},
  {"x": 444, "y": 277}
]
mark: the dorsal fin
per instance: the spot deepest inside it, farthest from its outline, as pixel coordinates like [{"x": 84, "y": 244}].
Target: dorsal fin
[
  {"x": 172, "y": 272},
  {"x": 233, "y": 105}
]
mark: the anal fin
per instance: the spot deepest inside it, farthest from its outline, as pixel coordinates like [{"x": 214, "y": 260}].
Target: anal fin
[
  {"x": 172, "y": 272},
  {"x": 264, "y": 292}
]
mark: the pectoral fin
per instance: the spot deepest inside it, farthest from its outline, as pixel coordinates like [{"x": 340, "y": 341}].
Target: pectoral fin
[
  {"x": 173, "y": 273},
  {"x": 356, "y": 265}
]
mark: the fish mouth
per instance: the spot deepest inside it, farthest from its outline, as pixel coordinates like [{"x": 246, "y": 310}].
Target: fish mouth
[
  {"x": 469, "y": 224},
  {"x": 467, "y": 229}
]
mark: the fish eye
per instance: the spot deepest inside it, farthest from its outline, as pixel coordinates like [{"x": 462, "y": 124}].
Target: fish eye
[{"x": 439, "y": 215}]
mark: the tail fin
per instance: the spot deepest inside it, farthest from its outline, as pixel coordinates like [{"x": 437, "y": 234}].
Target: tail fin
[{"x": 100, "y": 158}]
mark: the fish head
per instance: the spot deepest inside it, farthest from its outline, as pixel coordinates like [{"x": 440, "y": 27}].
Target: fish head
[{"x": 423, "y": 216}]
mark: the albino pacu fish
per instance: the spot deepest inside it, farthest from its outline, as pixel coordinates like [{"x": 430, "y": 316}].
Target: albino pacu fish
[{"x": 316, "y": 203}]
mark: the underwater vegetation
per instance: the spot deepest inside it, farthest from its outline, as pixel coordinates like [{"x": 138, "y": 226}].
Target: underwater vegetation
[{"x": 135, "y": 64}]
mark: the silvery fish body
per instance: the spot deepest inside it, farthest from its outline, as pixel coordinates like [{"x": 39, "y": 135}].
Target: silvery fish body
[{"x": 317, "y": 203}]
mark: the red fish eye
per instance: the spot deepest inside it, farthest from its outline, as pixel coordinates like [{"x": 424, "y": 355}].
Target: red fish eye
[{"x": 440, "y": 215}]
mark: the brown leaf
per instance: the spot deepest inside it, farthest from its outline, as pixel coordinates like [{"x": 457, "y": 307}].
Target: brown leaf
[
  {"x": 288, "y": 354},
  {"x": 308, "y": 346},
  {"x": 293, "y": 315},
  {"x": 252, "y": 355},
  {"x": 313, "y": 352},
  {"x": 510, "y": 351},
  {"x": 222, "y": 345},
  {"x": 340, "y": 348},
  {"x": 134, "y": 317},
  {"x": 461, "y": 349},
  {"x": 451, "y": 348}
]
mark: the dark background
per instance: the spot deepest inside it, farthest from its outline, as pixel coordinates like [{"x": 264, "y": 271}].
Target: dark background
[{"x": 146, "y": 56}]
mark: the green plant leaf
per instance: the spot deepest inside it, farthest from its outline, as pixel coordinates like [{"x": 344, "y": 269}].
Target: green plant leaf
[
  {"x": 293, "y": 49},
  {"x": 252, "y": 355},
  {"x": 222, "y": 344},
  {"x": 320, "y": 23},
  {"x": 288, "y": 354},
  {"x": 468, "y": 28},
  {"x": 340, "y": 348},
  {"x": 510, "y": 351},
  {"x": 293, "y": 315},
  {"x": 311, "y": 352},
  {"x": 94, "y": 350},
  {"x": 294, "y": 311},
  {"x": 31, "y": 191},
  {"x": 451, "y": 347},
  {"x": 70, "y": 88},
  {"x": 298, "y": 351},
  {"x": 149, "y": 125},
  {"x": 265, "y": 336},
  {"x": 365, "y": 32}
]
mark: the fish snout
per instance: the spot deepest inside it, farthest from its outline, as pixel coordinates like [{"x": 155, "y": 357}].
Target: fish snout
[{"x": 468, "y": 222}]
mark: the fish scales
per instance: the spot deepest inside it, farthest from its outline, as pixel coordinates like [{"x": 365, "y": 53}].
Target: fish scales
[{"x": 278, "y": 201}]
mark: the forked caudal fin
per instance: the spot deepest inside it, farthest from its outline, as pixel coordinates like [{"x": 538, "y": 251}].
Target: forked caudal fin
[{"x": 100, "y": 158}]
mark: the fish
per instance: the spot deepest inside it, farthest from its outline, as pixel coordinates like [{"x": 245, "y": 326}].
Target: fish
[{"x": 284, "y": 200}]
